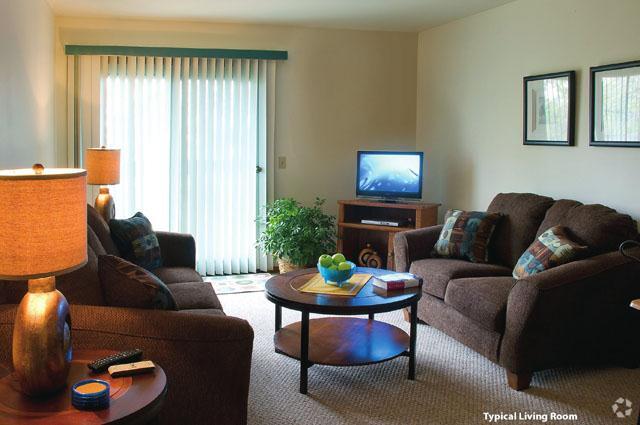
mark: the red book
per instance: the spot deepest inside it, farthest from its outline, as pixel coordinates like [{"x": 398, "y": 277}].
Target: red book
[{"x": 395, "y": 281}]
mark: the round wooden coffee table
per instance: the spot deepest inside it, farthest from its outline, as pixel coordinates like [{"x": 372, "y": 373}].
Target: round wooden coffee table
[
  {"x": 134, "y": 399},
  {"x": 341, "y": 341}
]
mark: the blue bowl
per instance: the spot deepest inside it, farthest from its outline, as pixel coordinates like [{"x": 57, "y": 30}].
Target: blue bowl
[{"x": 336, "y": 276}]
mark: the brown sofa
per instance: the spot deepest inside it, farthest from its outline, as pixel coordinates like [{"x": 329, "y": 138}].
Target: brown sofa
[
  {"x": 574, "y": 313},
  {"x": 205, "y": 354}
]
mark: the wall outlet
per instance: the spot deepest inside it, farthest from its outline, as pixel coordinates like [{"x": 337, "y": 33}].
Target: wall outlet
[{"x": 282, "y": 162}]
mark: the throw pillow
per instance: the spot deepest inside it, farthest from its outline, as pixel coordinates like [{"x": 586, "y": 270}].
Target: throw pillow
[
  {"x": 136, "y": 241},
  {"x": 551, "y": 249},
  {"x": 466, "y": 235},
  {"x": 127, "y": 285}
]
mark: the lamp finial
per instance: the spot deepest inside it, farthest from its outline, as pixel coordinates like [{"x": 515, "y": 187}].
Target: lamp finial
[{"x": 38, "y": 168}]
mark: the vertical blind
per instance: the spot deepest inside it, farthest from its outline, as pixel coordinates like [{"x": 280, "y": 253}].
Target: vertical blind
[{"x": 195, "y": 135}]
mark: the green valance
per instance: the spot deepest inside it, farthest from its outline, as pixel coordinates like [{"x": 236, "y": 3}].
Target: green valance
[{"x": 72, "y": 49}]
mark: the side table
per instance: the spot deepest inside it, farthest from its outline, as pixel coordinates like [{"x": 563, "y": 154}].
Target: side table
[{"x": 134, "y": 399}]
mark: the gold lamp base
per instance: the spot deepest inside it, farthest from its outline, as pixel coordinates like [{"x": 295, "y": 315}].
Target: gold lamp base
[
  {"x": 42, "y": 339},
  {"x": 105, "y": 204}
]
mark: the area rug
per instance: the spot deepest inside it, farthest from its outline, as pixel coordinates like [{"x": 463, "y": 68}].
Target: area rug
[
  {"x": 454, "y": 384},
  {"x": 238, "y": 283}
]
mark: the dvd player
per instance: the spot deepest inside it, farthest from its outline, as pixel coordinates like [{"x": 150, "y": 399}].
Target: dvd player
[{"x": 381, "y": 222}]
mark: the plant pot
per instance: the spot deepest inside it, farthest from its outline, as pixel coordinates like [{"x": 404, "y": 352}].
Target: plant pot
[{"x": 285, "y": 266}]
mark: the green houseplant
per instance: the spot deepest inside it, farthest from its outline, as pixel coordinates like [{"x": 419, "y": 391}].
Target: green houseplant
[{"x": 297, "y": 235}]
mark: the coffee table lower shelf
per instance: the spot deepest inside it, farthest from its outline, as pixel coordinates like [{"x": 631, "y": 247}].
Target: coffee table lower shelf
[{"x": 344, "y": 341}]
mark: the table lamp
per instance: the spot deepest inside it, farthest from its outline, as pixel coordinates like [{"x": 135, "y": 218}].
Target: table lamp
[
  {"x": 43, "y": 233},
  {"x": 103, "y": 168}
]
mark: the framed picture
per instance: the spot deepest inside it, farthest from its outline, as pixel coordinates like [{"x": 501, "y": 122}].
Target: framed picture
[
  {"x": 615, "y": 105},
  {"x": 549, "y": 109}
]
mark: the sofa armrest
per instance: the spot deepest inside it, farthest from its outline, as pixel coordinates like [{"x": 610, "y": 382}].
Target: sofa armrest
[
  {"x": 178, "y": 249},
  {"x": 414, "y": 245},
  {"x": 574, "y": 312},
  {"x": 207, "y": 359}
]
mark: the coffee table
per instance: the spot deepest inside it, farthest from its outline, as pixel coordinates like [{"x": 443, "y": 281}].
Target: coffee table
[{"x": 341, "y": 341}]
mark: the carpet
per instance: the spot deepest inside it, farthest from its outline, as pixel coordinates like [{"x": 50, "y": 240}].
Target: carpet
[
  {"x": 238, "y": 283},
  {"x": 454, "y": 384}
]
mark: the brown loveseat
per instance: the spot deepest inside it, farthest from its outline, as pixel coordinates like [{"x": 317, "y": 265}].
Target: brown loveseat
[
  {"x": 205, "y": 354},
  {"x": 577, "y": 312}
]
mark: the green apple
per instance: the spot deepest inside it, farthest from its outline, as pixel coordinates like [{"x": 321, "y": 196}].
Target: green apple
[
  {"x": 338, "y": 258},
  {"x": 344, "y": 266},
  {"x": 333, "y": 267},
  {"x": 325, "y": 260}
]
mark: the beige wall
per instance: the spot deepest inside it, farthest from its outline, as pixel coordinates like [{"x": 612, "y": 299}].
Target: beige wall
[
  {"x": 340, "y": 91},
  {"x": 26, "y": 84},
  {"x": 469, "y": 106}
]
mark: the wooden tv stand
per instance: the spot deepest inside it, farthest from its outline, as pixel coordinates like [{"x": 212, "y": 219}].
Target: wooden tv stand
[{"x": 354, "y": 235}]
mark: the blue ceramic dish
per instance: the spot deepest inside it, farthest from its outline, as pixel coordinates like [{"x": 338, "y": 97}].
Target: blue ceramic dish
[
  {"x": 336, "y": 276},
  {"x": 90, "y": 401}
]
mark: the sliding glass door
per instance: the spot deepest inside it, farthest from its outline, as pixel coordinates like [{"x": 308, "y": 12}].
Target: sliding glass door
[{"x": 194, "y": 149}]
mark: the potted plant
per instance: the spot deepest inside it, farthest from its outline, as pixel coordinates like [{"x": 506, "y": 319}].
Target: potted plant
[{"x": 297, "y": 235}]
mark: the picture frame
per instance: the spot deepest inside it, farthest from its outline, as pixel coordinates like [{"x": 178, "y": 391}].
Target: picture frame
[
  {"x": 614, "y": 103},
  {"x": 549, "y": 105}
]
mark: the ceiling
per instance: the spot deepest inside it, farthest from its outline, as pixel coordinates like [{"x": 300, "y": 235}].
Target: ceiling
[{"x": 386, "y": 15}]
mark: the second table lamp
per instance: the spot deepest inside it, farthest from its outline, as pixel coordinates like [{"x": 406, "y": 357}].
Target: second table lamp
[{"x": 103, "y": 168}]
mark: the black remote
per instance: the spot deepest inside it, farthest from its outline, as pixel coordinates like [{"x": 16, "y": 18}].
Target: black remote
[{"x": 103, "y": 364}]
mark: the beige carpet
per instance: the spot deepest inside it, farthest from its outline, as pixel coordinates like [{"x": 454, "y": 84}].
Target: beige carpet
[{"x": 454, "y": 384}]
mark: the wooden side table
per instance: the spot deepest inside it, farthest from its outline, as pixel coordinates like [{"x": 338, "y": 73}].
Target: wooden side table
[{"x": 134, "y": 399}]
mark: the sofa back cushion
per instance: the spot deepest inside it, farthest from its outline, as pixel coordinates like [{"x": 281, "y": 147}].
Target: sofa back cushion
[
  {"x": 600, "y": 228},
  {"x": 83, "y": 286},
  {"x": 522, "y": 215},
  {"x": 101, "y": 229}
]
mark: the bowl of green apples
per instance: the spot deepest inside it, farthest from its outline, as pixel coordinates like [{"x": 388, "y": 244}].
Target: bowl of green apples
[{"x": 335, "y": 269}]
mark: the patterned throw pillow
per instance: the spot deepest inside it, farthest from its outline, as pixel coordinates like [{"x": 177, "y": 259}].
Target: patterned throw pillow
[
  {"x": 552, "y": 248},
  {"x": 137, "y": 241},
  {"x": 466, "y": 235},
  {"x": 126, "y": 285}
]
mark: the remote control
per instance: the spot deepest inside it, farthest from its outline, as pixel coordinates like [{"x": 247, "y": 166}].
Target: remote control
[
  {"x": 128, "y": 356},
  {"x": 131, "y": 369}
]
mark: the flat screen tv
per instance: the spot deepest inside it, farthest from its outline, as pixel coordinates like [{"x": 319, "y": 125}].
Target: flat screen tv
[{"x": 389, "y": 175}]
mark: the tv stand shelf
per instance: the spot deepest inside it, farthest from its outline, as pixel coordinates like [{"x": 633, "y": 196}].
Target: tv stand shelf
[{"x": 353, "y": 235}]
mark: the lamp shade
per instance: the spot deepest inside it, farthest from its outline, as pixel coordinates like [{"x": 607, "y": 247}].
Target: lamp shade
[
  {"x": 43, "y": 222},
  {"x": 103, "y": 166}
]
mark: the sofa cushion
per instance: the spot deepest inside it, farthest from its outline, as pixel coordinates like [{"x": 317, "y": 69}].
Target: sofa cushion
[
  {"x": 101, "y": 229},
  {"x": 94, "y": 242},
  {"x": 128, "y": 285},
  {"x": 83, "y": 286},
  {"x": 482, "y": 299},
  {"x": 204, "y": 312},
  {"x": 552, "y": 248},
  {"x": 523, "y": 213},
  {"x": 600, "y": 228},
  {"x": 177, "y": 274},
  {"x": 13, "y": 291},
  {"x": 137, "y": 241},
  {"x": 466, "y": 235},
  {"x": 437, "y": 272},
  {"x": 194, "y": 295}
]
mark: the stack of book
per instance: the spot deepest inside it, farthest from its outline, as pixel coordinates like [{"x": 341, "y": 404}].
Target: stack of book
[{"x": 394, "y": 281}]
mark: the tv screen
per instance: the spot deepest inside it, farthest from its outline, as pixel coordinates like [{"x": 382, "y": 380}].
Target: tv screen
[{"x": 389, "y": 174}]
